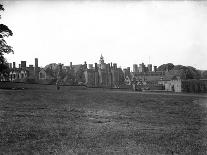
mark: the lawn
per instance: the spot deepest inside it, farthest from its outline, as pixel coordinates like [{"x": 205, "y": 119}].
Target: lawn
[{"x": 100, "y": 121}]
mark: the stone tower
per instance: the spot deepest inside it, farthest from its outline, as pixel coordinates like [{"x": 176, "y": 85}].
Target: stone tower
[{"x": 101, "y": 61}]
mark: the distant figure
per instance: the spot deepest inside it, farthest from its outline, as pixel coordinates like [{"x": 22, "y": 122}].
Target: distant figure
[
  {"x": 173, "y": 88},
  {"x": 59, "y": 76},
  {"x": 57, "y": 85}
]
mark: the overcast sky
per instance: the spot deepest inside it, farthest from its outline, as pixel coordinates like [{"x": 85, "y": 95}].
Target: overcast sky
[{"x": 125, "y": 32}]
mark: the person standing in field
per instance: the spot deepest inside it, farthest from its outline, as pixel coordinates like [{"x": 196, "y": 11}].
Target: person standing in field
[
  {"x": 59, "y": 76},
  {"x": 57, "y": 85}
]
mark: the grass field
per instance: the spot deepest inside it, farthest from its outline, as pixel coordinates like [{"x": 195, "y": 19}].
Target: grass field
[{"x": 96, "y": 121}]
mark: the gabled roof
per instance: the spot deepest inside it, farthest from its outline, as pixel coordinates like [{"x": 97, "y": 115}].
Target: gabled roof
[
  {"x": 42, "y": 69},
  {"x": 47, "y": 71}
]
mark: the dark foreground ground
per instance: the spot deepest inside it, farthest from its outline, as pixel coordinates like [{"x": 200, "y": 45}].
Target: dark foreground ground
[{"x": 95, "y": 121}]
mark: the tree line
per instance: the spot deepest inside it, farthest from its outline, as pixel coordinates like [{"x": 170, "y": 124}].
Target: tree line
[{"x": 186, "y": 72}]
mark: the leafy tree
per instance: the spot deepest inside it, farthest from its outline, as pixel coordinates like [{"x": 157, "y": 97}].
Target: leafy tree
[
  {"x": 185, "y": 72},
  {"x": 204, "y": 75},
  {"x": 69, "y": 78},
  {"x": 52, "y": 69},
  {"x": 188, "y": 72},
  {"x": 165, "y": 67},
  {"x": 4, "y": 48},
  {"x": 51, "y": 72},
  {"x": 194, "y": 73}
]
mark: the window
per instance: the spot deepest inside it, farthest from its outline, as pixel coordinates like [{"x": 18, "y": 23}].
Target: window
[{"x": 42, "y": 76}]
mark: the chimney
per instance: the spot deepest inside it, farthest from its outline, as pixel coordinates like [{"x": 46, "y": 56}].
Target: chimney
[
  {"x": 96, "y": 66},
  {"x": 155, "y": 68},
  {"x": 36, "y": 62},
  {"x": 14, "y": 65},
  {"x": 23, "y": 64},
  {"x": 85, "y": 65},
  {"x": 71, "y": 65},
  {"x": 114, "y": 66}
]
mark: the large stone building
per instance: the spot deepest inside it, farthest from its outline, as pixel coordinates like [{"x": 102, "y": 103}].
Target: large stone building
[
  {"x": 23, "y": 72},
  {"x": 144, "y": 73},
  {"x": 103, "y": 75},
  {"x": 99, "y": 75},
  {"x": 106, "y": 75}
]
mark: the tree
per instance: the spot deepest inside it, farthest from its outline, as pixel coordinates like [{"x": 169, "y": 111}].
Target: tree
[
  {"x": 204, "y": 75},
  {"x": 194, "y": 73},
  {"x": 188, "y": 72},
  {"x": 166, "y": 67},
  {"x": 4, "y": 48},
  {"x": 52, "y": 69}
]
